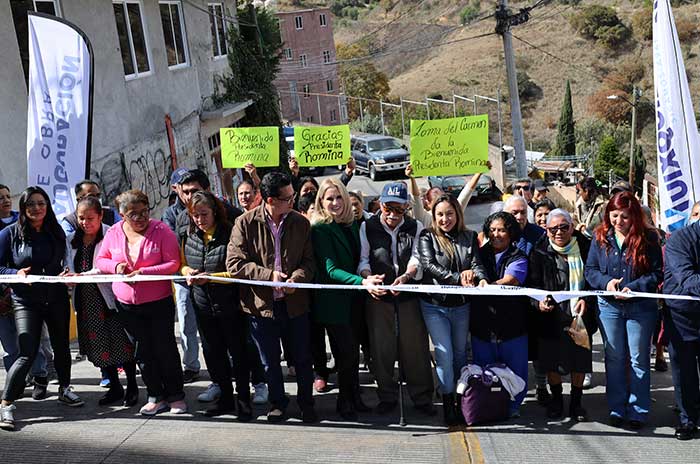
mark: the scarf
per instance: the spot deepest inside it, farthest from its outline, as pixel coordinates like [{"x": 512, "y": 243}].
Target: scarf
[{"x": 575, "y": 262}]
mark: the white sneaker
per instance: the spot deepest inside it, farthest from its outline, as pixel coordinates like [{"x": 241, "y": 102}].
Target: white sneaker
[
  {"x": 261, "y": 394},
  {"x": 587, "y": 380},
  {"x": 213, "y": 393},
  {"x": 7, "y": 418}
]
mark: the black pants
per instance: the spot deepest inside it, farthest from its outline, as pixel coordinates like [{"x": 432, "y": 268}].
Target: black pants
[
  {"x": 150, "y": 325},
  {"x": 257, "y": 370},
  {"x": 30, "y": 319},
  {"x": 319, "y": 355},
  {"x": 688, "y": 355},
  {"x": 224, "y": 333},
  {"x": 347, "y": 357},
  {"x": 359, "y": 325}
]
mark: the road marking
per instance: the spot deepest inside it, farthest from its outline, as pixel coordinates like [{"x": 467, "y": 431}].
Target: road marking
[{"x": 473, "y": 447}]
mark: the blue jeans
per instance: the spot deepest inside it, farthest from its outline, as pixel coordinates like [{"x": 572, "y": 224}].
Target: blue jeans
[
  {"x": 267, "y": 333},
  {"x": 512, "y": 353},
  {"x": 626, "y": 329},
  {"x": 448, "y": 328},
  {"x": 10, "y": 345},
  {"x": 188, "y": 328}
]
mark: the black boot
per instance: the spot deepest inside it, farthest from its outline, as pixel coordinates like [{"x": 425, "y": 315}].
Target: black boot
[
  {"x": 555, "y": 407},
  {"x": 576, "y": 411},
  {"x": 244, "y": 408},
  {"x": 116, "y": 391},
  {"x": 132, "y": 388},
  {"x": 449, "y": 410},
  {"x": 225, "y": 405}
]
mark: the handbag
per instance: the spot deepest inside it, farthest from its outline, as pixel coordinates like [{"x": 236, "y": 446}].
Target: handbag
[{"x": 485, "y": 400}]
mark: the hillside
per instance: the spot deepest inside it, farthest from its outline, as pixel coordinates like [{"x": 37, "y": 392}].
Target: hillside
[{"x": 417, "y": 69}]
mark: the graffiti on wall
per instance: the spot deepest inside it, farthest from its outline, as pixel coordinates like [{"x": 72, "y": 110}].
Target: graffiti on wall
[{"x": 147, "y": 165}]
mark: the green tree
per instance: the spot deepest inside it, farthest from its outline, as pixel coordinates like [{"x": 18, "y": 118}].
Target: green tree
[
  {"x": 610, "y": 158},
  {"x": 566, "y": 134},
  {"x": 360, "y": 78},
  {"x": 254, "y": 56}
]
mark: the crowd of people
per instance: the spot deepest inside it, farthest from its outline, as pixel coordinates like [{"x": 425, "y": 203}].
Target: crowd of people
[{"x": 289, "y": 229}]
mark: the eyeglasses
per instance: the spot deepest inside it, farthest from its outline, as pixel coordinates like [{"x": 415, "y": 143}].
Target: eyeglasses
[
  {"x": 136, "y": 215},
  {"x": 399, "y": 211},
  {"x": 36, "y": 204},
  {"x": 561, "y": 228},
  {"x": 525, "y": 188},
  {"x": 288, "y": 199}
]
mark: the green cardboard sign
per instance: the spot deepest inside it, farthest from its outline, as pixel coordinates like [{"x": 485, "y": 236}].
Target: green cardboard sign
[
  {"x": 243, "y": 145},
  {"x": 446, "y": 147},
  {"x": 322, "y": 145}
]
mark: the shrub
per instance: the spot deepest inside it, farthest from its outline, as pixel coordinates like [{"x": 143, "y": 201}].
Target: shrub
[
  {"x": 527, "y": 88},
  {"x": 686, "y": 29},
  {"x": 600, "y": 23},
  {"x": 642, "y": 23},
  {"x": 468, "y": 14}
]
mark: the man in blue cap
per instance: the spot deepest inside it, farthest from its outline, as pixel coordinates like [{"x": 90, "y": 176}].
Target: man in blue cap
[
  {"x": 388, "y": 247},
  {"x": 185, "y": 311}
]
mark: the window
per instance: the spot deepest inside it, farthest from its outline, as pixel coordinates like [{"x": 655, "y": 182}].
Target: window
[
  {"x": 214, "y": 141},
  {"x": 309, "y": 119},
  {"x": 218, "y": 29},
  {"x": 326, "y": 56},
  {"x": 334, "y": 115},
  {"x": 174, "y": 32},
  {"x": 307, "y": 90},
  {"x": 302, "y": 61},
  {"x": 46, "y": 6},
  {"x": 294, "y": 95},
  {"x": 298, "y": 23},
  {"x": 322, "y": 19},
  {"x": 132, "y": 37},
  {"x": 19, "y": 16},
  {"x": 288, "y": 53},
  {"x": 329, "y": 85}
]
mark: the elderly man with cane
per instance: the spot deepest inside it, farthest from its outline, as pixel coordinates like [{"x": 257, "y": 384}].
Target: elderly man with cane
[{"x": 388, "y": 248}]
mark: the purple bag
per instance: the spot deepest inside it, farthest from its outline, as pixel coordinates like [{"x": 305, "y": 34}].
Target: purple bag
[{"x": 483, "y": 403}]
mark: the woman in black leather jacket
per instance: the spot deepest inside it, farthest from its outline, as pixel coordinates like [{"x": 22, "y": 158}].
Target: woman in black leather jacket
[
  {"x": 449, "y": 255},
  {"x": 36, "y": 245}
]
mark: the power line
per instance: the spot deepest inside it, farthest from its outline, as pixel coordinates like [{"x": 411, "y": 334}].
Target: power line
[
  {"x": 414, "y": 49},
  {"x": 562, "y": 60}
]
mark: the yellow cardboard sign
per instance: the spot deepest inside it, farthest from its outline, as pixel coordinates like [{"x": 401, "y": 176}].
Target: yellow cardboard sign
[
  {"x": 322, "y": 145},
  {"x": 243, "y": 145},
  {"x": 454, "y": 146}
]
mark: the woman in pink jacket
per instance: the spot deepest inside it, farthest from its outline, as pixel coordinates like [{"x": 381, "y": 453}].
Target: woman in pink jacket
[{"x": 139, "y": 245}]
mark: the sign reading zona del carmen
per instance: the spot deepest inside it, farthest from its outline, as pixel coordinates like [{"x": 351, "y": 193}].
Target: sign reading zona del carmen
[
  {"x": 454, "y": 146},
  {"x": 322, "y": 145}
]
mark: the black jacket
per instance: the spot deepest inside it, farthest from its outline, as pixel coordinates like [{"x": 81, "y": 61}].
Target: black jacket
[
  {"x": 439, "y": 269},
  {"x": 682, "y": 277},
  {"x": 44, "y": 253},
  {"x": 543, "y": 273},
  {"x": 498, "y": 318},
  {"x": 211, "y": 258}
]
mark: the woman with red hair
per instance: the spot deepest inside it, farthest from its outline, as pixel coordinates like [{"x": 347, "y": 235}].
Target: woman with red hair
[{"x": 626, "y": 256}]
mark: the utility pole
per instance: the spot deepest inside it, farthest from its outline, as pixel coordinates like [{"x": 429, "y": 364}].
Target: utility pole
[
  {"x": 636, "y": 93},
  {"x": 504, "y": 21}
]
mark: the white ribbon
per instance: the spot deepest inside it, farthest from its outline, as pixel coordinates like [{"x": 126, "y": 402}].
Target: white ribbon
[{"x": 488, "y": 290}]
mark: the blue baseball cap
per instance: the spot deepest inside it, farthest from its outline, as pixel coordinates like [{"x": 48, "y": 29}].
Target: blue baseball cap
[
  {"x": 177, "y": 175},
  {"x": 395, "y": 192}
]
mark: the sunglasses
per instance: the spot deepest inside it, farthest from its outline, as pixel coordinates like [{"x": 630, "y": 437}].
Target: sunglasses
[
  {"x": 399, "y": 211},
  {"x": 561, "y": 228},
  {"x": 525, "y": 188}
]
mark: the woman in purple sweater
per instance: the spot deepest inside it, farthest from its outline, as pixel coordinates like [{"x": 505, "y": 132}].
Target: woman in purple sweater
[{"x": 140, "y": 245}]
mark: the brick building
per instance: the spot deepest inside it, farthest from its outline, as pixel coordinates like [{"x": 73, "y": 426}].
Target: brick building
[{"x": 308, "y": 69}]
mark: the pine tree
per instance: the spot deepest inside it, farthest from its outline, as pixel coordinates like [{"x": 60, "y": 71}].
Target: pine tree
[{"x": 566, "y": 138}]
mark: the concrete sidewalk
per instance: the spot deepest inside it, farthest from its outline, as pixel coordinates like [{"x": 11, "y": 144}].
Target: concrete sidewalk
[{"x": 51, "y": 432}]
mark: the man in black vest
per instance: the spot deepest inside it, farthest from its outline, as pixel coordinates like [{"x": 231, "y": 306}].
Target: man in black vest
[{"x": 389, "y": 242}]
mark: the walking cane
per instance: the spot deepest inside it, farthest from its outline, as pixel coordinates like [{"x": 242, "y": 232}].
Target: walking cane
[{"x": 402, "y": 420}]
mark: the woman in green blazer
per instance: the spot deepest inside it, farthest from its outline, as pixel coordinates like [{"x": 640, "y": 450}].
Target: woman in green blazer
[{"x": 336, "y": 240}]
